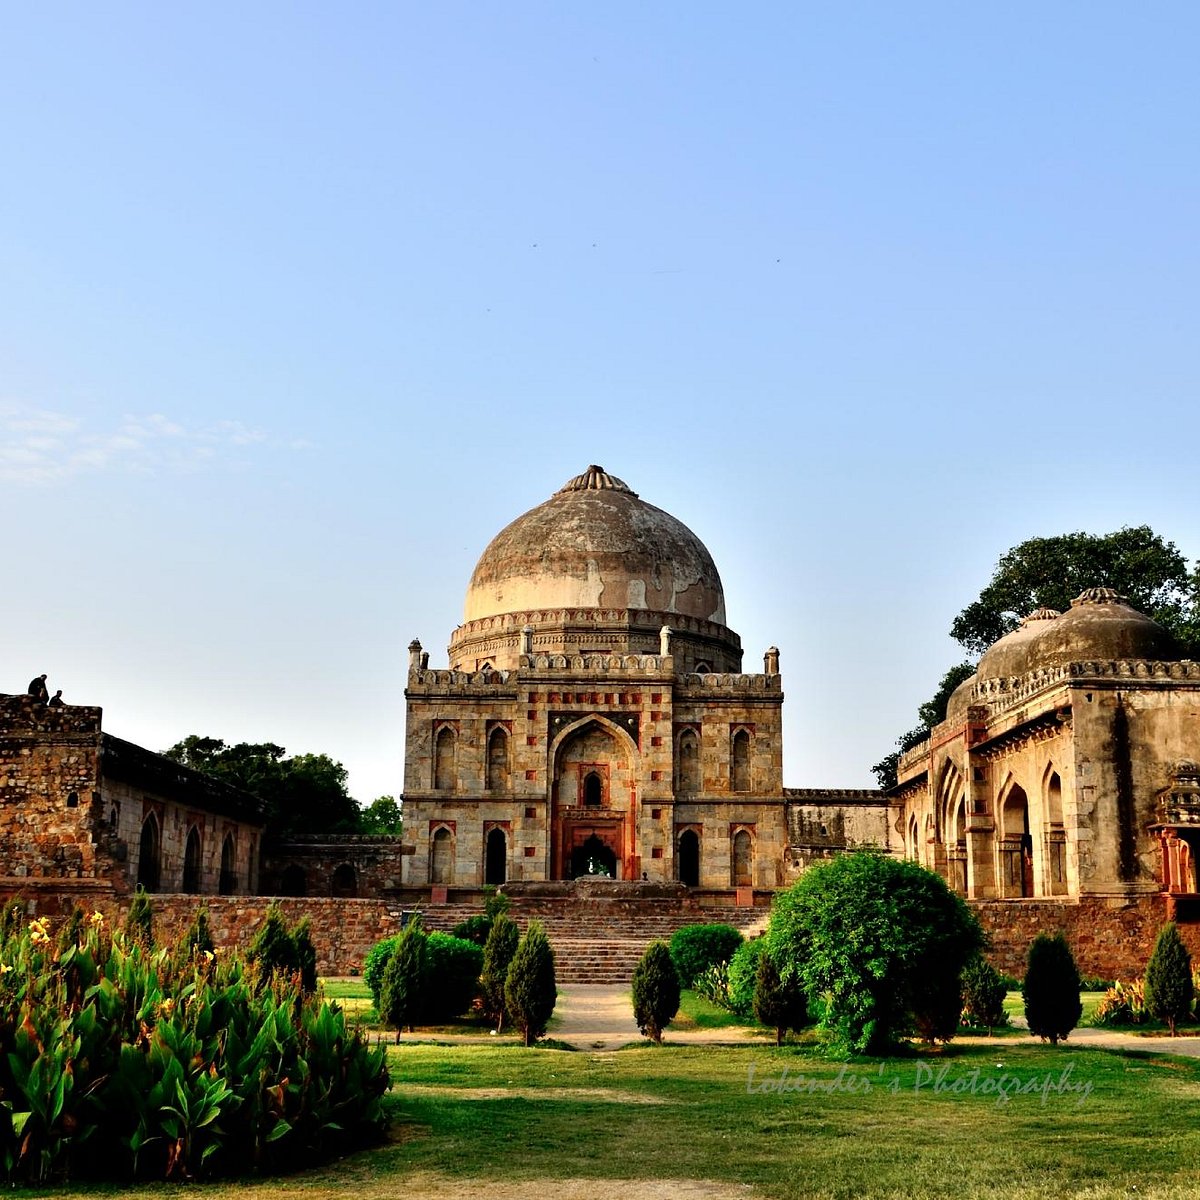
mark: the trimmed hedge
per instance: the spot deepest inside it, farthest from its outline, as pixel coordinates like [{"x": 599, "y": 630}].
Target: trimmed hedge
[
  {"x": 743, "y": 972},
  {"x": 695, "y": 947}
]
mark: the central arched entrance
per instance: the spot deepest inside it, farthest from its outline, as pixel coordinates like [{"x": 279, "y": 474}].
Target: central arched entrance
[
  {"x": 593, "y": 801},
  {"x": 593, "y": 857}
]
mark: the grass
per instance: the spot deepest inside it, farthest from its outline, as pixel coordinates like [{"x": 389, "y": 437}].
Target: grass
[
  {"x": 695, "y": 1012},
  {"x": 476, "y": 1119}
]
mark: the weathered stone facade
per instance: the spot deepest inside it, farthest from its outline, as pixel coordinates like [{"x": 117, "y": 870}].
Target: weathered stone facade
[
  {"x": 85, "y": 813},
  {"x": 1063, "y": 770},
  {"x": 615, "y": 735}
]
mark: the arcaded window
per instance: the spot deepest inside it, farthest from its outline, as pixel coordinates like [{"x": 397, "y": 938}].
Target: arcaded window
[
  {"x": 441, "y": 856},
  {"x": 149, "y": 854},
  {"x": 740, "y": 761},
  {"x": 443, "y": 760},
  {"x": 497, "y": 761},
  {"x": 345, "y": 881},
  {"x": 593, "y": 790},
  {"x": 191, "y": 862},
  {"x": 687, "y": 765},
  {"x": 229, "y": 880},
  {"x": 743, "y": 859}
]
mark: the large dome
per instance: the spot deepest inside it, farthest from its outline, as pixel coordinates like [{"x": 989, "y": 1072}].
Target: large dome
[
  {"x": 1099, "y": 626},
  {"x": 595, "y": 544}
]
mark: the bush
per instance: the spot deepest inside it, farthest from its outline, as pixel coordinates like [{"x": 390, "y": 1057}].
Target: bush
[
  {"x": 198, "y": 939},
  {"x": 983, "y": 995},
  {"x": 530, "y": 991},
  {"x": 473, "y": 929},
  {"x": 1089, "y": 983},
  {"x": 1169, "y": 991},
  {"x": 1122, "y": 1004},
  {"x": 452, "y": 977},
  {"x": 306, "y": 954},
  {"x": 778, "y": 1005},
  {"x": 280, "y": 950},
  {"x": 743, "y": 973},
  {"x": 1051, "y": 988},
  {"x": 402, "y": 992},
  {"x": 713, "y": 984},
  {"x": 881, "y": 941},
  {"x": 695, "y": 947},
  {"x": 139, "y": 921},
  {"x": 655, "y": 991},
  {"x": 119, "y": 1063},
  {"x": 376, "y": 963},
  {"x": 497, "y": 956}
]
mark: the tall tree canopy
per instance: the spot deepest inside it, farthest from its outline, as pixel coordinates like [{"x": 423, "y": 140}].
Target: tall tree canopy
[
  {"x": 1050, "y": 572},
  {"x": 302, "y": 794}
]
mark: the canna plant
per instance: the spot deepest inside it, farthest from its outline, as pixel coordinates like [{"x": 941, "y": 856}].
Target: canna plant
[{"x": 121, "y": 1062}]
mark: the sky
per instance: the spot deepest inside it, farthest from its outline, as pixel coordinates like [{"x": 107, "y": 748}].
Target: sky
[{"x": 300, "y": 304}]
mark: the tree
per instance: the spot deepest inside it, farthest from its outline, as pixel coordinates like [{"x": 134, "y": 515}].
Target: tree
[
  {"x": 778, "y": 1005},
  {"x": 655, "y": 991},
  {"x": 530, "y": 991},
  {"x": 306, "y": 955},
  {"x": 1169, "y": 990},
  {"x": 1051, "y": 988},
  {"x": 502, "y": 941},
  {"x": 302, "y": 794},
  {"x": 877, "y": 938},
  {"x": 983, "y": 994},
  {"x": 931, "y": 713},
  {"x": 1052, "y": 571},
  {"x": 198, "y": 939},
  {"x": 273, "y": 950},
  {"x": 382, "y": 817},
  {"x": 402, "y": 995}
]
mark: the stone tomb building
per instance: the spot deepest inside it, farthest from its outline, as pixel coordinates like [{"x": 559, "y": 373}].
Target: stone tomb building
[
  {"x": 88, "y": 816},
  {"x": 595, "y": 718},
  {"x": 1066, "y": 767}
]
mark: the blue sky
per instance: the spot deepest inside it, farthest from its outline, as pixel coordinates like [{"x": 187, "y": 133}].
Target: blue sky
[{"x": 301, "y": 305}]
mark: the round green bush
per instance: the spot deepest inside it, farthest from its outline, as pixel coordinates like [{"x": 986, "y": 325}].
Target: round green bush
[
  {"x": 881, "y": 942},
  {"x": 695, "y": 947},
  {"x": 1051, "y": 988},
  {"x": 743, "y": 970},
  {"x": 453, "y": 966}
]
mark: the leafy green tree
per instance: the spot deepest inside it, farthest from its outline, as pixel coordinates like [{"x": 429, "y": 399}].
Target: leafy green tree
[
  {"x": 1052, "y": 571},
  {"x": 695, "y": 948},
  {"x": 743, "y": 976},
  {"x": 875, "y": 938},
  {"x": 454, "y": 965},
  {"x": 382, "y": 817},
  {"x": 1051, "y": 988},
  {"x": 405, "y": 978},
  {"x": 302, "y": 794},
  {"x": 655, "y": 991},
  {"x": 498, "y": 951},
  {"x": 1169, "y": 990},
  {"x": 778, "y": 1005},
  {"x": 530, "y": 991}
]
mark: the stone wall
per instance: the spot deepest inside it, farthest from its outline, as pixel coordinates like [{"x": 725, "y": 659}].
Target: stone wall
[
  {"x": 338, "y": 865},
  {"x": 1111, "y": 939}
]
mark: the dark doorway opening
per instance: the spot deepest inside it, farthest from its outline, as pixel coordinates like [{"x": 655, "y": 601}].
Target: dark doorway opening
[
  {"x": 495, "y": 862},
  {"x": 689, "y": 858},
  {"x": 593, "y": 858}
]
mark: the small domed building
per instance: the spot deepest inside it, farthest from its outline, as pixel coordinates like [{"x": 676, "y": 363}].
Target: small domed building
[
  {"x": 1064, "y": 768},
  {"x": 595, "y": 718}
]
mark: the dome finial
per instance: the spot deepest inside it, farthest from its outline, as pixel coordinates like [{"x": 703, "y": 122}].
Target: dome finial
[
  {"x": 1099, "y": 595},
  {"x": 596, "y": 479}
]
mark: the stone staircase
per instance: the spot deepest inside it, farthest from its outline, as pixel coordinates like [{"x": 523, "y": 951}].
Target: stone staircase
[{"x": 600, "y": 941}]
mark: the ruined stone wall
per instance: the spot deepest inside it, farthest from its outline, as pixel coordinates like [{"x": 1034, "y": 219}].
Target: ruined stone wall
[
  {"x": 328, "y": 865},
  {"x": 49, "y": 792},
  {"x": 1112, "y": 939}
]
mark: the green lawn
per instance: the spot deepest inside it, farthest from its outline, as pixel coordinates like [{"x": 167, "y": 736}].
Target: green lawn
[{"x": 491, "y": 1120}]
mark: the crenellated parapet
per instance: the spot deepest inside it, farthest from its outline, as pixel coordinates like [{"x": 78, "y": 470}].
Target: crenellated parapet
[
  {"x": 719, "y": 682},
  {"x": 619, "y": 664}
]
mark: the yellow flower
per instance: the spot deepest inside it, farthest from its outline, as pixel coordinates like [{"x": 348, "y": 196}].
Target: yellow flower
[
  {"x": 97, "y": 918},
  {"x": 4, "y": 968},
  {"x": 209, "y": 955},
  {"x": 166, "y": 1006}
]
